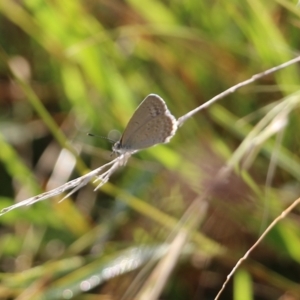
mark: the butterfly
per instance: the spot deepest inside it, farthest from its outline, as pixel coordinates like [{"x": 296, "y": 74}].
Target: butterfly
[{"x": 152, "y": 123}]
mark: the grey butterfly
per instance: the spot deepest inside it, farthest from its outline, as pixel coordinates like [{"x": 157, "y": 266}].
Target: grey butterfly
[{"x": 151, "y": 124}]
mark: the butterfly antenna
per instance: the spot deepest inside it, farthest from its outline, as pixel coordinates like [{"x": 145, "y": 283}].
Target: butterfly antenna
[{"x": 100, "y": 136}]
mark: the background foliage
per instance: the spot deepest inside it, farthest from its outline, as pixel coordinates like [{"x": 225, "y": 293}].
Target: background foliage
[{"x": 72, "y": 67}]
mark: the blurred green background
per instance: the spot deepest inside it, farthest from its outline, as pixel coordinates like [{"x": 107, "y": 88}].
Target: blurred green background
[{"x": 72, "y": 67}]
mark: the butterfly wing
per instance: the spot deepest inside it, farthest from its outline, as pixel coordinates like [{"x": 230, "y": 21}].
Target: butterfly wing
[
  {"x": 151, "y": 124},
  {"x": 158, "y": 130}
]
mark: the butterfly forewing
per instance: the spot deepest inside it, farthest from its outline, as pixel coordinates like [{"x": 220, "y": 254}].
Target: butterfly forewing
[{"x": 150, "y": 107}]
